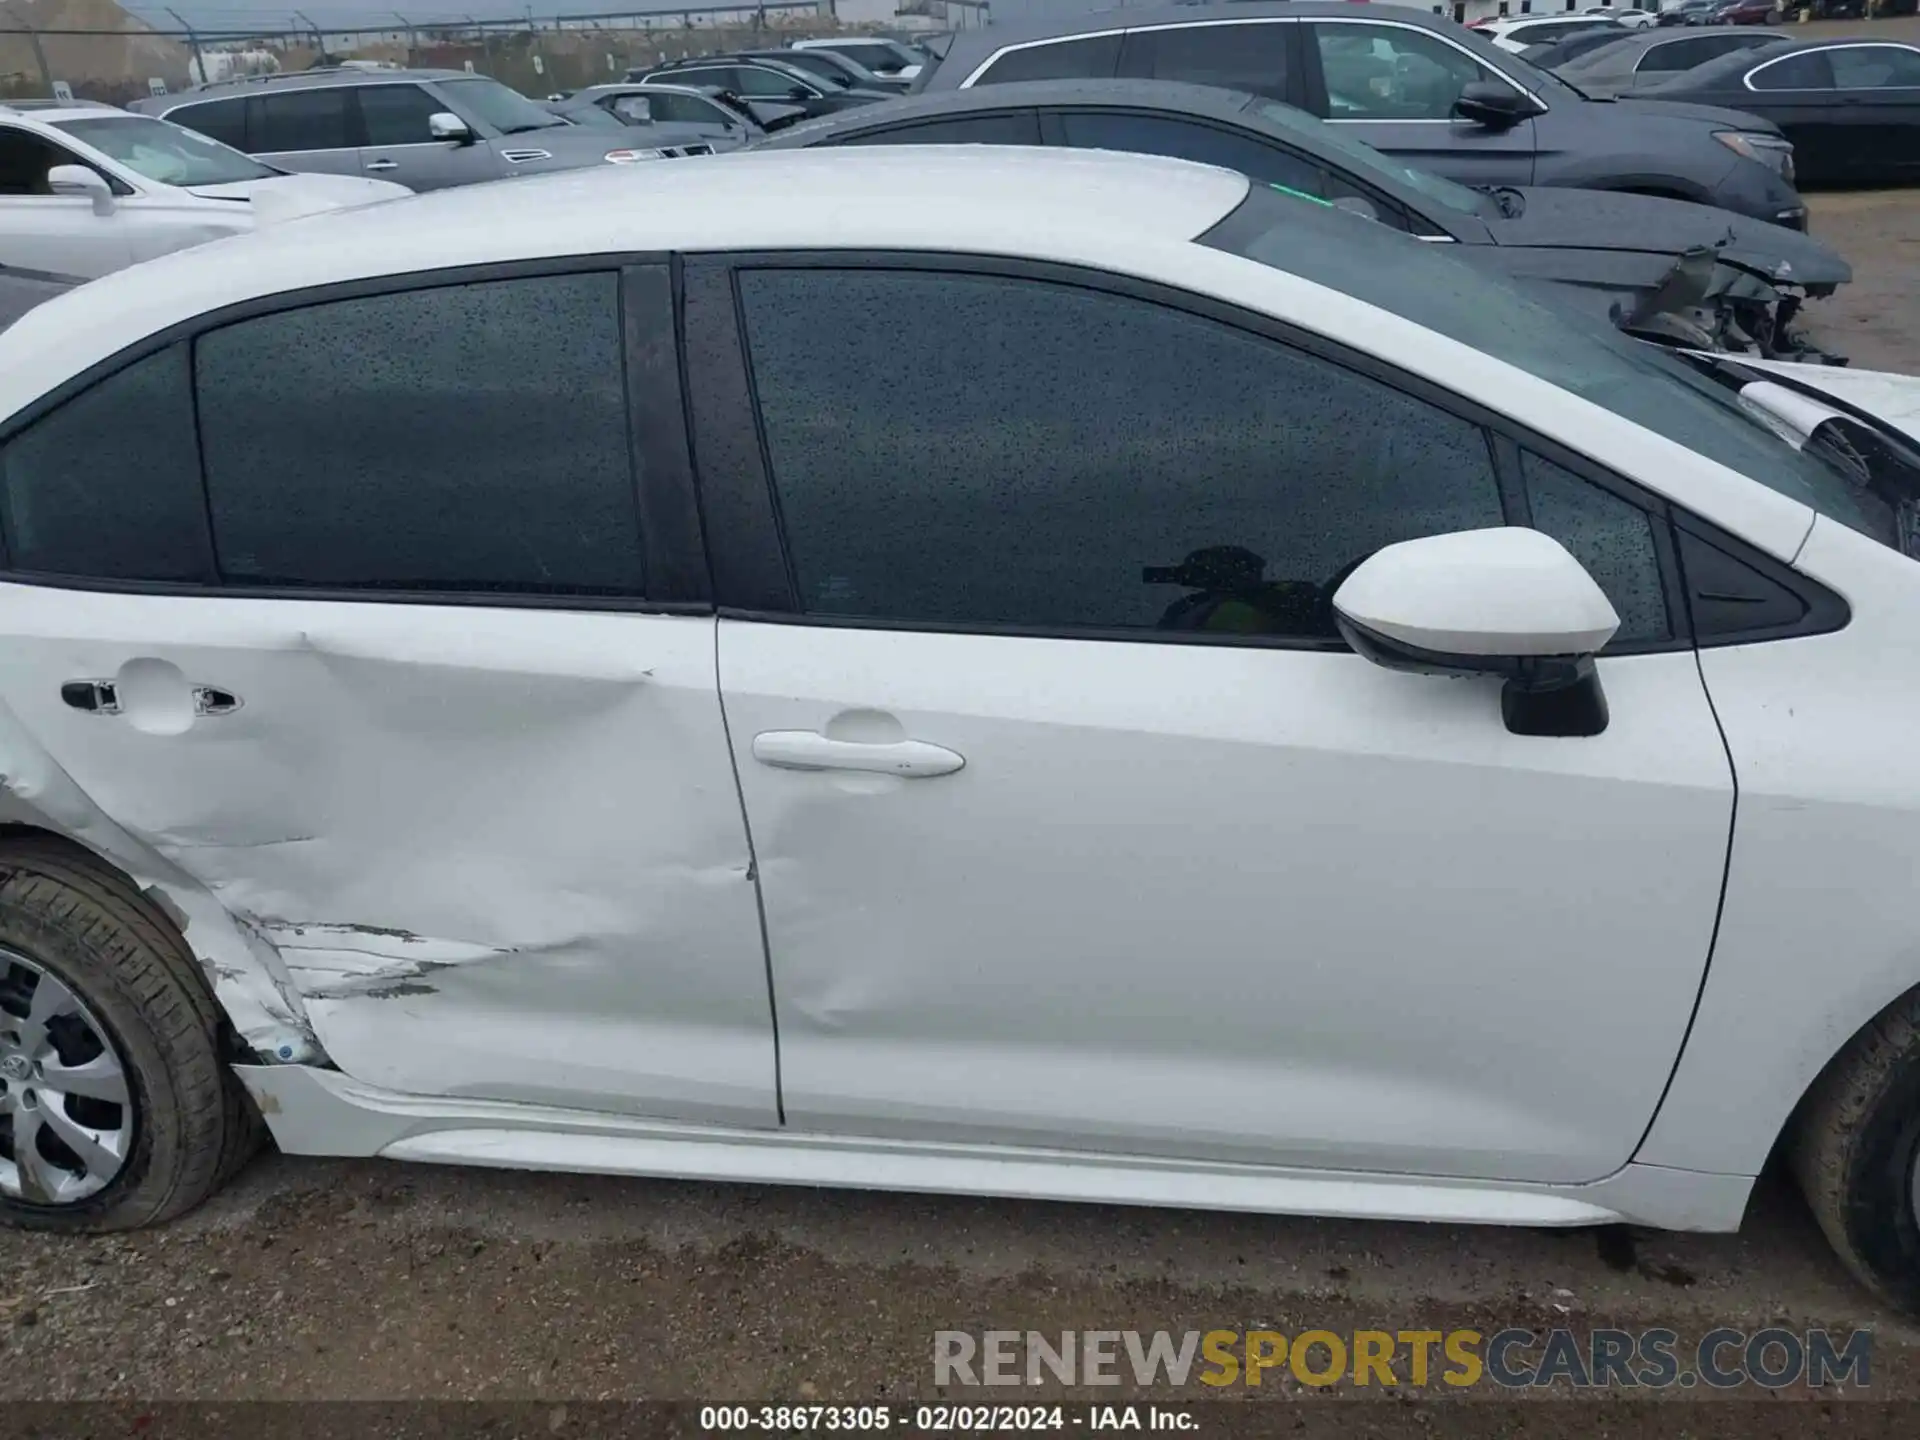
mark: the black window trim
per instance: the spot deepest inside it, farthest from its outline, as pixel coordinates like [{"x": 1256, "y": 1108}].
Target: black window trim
[
  {"x": 752, "y": 569},
  {"x": 673, "y": 552},
  {"x": 1034, "y": 120}
]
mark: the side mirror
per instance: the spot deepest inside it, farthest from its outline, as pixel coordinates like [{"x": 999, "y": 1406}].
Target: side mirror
[
  {"x": 796, "y": 93},
  {"x": 78, "y": 180},
  {"x": 445, "y": 125},
  {"x": 1509, "y": 602},
  {"x": 1490, "y": 103}
]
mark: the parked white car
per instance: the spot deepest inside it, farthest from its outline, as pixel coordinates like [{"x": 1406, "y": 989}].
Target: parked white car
[
  {"x": 1632, "y": 17},
  {"x": 1517, "y": 34},
  {"x": 1267, "y": 738},
  {"x": 89, "y": 189}
]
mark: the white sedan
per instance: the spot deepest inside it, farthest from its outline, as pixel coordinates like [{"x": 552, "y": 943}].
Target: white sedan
[
  {"x": 1231, "y": 707},
  {"x": 90, "y": 189}
]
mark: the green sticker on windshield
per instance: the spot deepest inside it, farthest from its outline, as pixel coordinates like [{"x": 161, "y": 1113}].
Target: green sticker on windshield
[{"x": 1299, "y": 194}]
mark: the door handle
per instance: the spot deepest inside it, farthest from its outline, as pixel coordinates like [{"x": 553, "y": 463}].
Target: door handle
[
  {"x": 808, "y": 750},
  {"x": 102, "y": 697},
  {"x": 383, "y": 164}
]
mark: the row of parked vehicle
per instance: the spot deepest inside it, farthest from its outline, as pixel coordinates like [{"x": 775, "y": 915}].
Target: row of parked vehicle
[
  {"x": 990, "y": 668},
  {"x": 1676, "y": 220}
]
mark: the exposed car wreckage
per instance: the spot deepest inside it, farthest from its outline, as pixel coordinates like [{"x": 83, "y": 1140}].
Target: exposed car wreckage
[
  {"x": 1667, "y": 271},
  {"x": 1715, "y": 300}
]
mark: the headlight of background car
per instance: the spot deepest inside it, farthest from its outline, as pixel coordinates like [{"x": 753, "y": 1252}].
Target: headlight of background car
[
  {"x": 630, "y": 157},
  {"x": 1770, "y": 150}
]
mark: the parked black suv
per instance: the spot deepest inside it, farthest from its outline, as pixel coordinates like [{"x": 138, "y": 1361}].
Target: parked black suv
[{"x": 1411, "y": 84}]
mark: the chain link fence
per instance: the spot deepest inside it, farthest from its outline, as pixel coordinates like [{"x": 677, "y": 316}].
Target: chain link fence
[{"x": 117, "y": 62}]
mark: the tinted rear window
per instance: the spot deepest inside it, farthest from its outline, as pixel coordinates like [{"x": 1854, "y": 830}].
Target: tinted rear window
[{"x": 1092, "y": 57}]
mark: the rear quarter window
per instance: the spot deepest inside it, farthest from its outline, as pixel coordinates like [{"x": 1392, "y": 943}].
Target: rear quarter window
[{"x": 1091, "y": 57}]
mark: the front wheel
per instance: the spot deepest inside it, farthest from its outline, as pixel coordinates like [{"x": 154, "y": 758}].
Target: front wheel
[
  {"x": 1855, "y": 1148},
  {"x": 116, "y": 1108}
]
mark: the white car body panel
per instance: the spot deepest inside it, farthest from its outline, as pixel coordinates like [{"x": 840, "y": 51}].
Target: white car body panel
[
  {"x": 440, "y": 821},
  {"x": 64, "y": 235},
  {"x": 1813, "y": 725},
  {"x": 1113, "y": 810},
  {"x": 321, "y": 1112},
  {"x": 544, "y": 802}
]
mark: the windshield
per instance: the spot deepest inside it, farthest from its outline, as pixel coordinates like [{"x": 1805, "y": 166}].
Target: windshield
[
  {"x": 1644, "y": 383},
  {"x": 1367, "y": 160},
  {"x": 165, "y": 152},
  {"x": 593, "y": 118},
  {"x": 497, "y": 107}
]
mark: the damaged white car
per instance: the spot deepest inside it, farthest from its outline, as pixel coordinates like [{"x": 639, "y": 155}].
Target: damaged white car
[{"x": 528, "y": 679}]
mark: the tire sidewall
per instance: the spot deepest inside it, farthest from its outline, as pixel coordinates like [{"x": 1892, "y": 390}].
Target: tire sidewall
[
  {"x": 1878, "y": 1201},
  {"x": 92, "y": 978}
]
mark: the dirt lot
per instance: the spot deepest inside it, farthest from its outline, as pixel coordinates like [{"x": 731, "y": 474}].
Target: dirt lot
[{"x": 314, "y": 1280}]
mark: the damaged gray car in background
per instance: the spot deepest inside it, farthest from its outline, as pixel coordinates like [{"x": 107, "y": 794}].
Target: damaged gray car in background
[{"x": 1665, "y": 270}]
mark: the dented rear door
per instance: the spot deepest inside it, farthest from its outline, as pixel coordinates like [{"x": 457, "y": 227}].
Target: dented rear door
[{"x": 392, "y": 655}]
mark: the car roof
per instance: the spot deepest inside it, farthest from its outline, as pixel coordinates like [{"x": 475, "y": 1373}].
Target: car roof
[
  {"x": 1621, "y": 54},
  {"x": 1174, "y": 96},
  {"x": 307, "y": 80},
  {"x": 53, "y": 114},
  {"x": 973, "y": 199},
  {"x": 971, "y": 47},
  {"x": 1726, "y": 69}
]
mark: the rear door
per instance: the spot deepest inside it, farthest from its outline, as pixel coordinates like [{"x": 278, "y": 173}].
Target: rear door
[
  {"x": 381, "y": 616},
  {"x": 400, "y": 144},
  {"x": 1879, "y": 88},
  {"x": 316, "y": 129},
  {"x": 1078, "y": 826},
  {"x": 1261, "y": 57},
  {"x": 1396, "y": 86}
]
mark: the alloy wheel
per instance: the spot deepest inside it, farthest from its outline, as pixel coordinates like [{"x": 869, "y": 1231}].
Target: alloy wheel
[{"x": 66, "y": 1107}]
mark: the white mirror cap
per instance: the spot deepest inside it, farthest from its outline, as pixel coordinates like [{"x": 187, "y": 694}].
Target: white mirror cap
[
  {"x": 74, "y": 180},
  {"x": 1506, "y": 591}
]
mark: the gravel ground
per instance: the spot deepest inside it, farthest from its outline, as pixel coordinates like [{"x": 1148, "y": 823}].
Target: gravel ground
[{"x": 353, "y": 1281}]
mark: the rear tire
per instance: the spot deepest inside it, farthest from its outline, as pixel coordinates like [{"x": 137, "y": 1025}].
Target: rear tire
[
  {"x": 68, "y": 918},
  {"x": 1854, "y": 1145}
]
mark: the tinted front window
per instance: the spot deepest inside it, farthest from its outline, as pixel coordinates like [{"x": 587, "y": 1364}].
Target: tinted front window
[
  {"x": 1392, "y": 72},
  {"x": 821, "y": 68},
  {"x": 1694, "y": 50},
  {"x": 165, "y": 153},
  {"x": 1013, "y": 128},
  {"x": 108, "y": 485},
  {"x": 1612, "y": 538},
  {"x": 1092, "y": 57},
  {"x": 465, "y": 438},
  {"x": 1643, "y": 383},
  {"x": 1808, "y": 70},
  {"x": 1233, "y": 57},
  {"x": 686, "y": 109},
  {"x": 302, "y": 120},
  {"x": 1095, "y": 460},
  {"x": 1368, "y": 163},
  {"x": 1190, "y": 140},
  {"x": 493, "y": 104},
  {"x": 1875, "y": 67},
  {"x": 398, "y": 114},
  {"x": 768, "y": 84},
  {"x": 222, "y": 120}
]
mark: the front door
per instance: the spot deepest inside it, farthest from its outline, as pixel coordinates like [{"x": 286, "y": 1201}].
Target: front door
[
  {"x": 1395, "y": 87},
  {"x": 400, "y": 144},
  {"x": 403, "y": 706},
  {"x": 1077, "y": 825},
  {"x": 43, "y": 231}
]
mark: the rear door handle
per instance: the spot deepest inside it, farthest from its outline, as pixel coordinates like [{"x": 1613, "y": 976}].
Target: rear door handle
[
  {"x": 383, "y": 164},
  {"x": 809, "y": 750}
]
